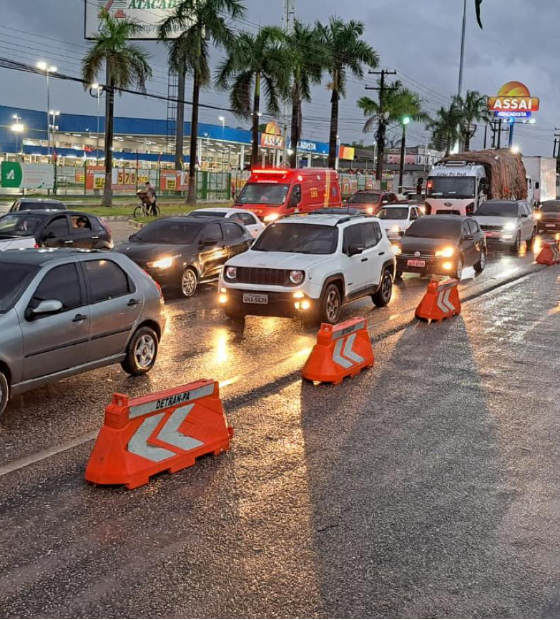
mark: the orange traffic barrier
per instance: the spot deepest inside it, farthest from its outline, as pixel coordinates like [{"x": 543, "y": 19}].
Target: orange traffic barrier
[
  {"x": 165, "y": 431},
  {"x": 549, "y": 255},
  {"x": 341, "y": 351},
  {"x": 441, "y": 301}
]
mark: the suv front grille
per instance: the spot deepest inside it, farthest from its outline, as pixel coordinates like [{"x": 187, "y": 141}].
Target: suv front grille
[
  {"x": 491, "y": 227},
  {"x": 263, "y": 276}
]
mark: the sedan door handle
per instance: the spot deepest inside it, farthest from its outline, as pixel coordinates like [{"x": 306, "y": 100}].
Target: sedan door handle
[
  {"x": 79, "y": 318},
  {"x": 95, "y": 237},
  {"x": 381, "y": 253},
  {"x": 364, "y": 260},
  {"x": 132, "y": 302},
  {"x": 68, "y": 242}
]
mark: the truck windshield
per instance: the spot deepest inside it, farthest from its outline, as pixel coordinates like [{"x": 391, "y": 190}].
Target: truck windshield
[
  {"x": 298, "y": 239},
  {"x": 451, "y": 187},
  {"x": 264, "y": 194}
]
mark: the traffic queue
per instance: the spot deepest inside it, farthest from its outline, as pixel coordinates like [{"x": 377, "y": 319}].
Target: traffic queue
[{"x": 71, "y": 301}]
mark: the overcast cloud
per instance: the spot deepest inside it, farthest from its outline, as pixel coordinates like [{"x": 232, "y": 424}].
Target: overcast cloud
[{"x": 418, "y": 38}]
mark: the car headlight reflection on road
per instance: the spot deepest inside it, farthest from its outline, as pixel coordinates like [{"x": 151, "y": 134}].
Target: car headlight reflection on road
[
  {"x": 271, "y": 218},
  {"x": 445, "y": 252},
  {"x": 509, "y": 226},
  {"x": 162, "y": 263}
]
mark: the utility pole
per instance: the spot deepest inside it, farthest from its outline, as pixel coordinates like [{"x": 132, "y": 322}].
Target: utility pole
[
  {"x": 556, "y": 150},
  {"x": 288, "y": 17},
  {"x": 382, "y": 123}
]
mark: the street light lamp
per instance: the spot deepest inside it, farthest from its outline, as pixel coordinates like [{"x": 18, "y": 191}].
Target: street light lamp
[
  {"x": 48, "y": 69},
  {"x": 405, "y": 121},
  {"x": 17, "y": 127}
]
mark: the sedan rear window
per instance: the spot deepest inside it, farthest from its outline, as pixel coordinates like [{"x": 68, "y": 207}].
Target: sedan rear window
[
  {"x": 435, "y": 229},
  {"x": 176, "y": 233},
  {"x": 366, "y": 198},
  {"x": 298, "y": 239},
  {"x": 13, "y": 280},
  {"x": 552, "y": 206}
]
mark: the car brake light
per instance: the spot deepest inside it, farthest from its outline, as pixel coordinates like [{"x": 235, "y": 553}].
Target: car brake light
[{"x": 36, "y": 245}]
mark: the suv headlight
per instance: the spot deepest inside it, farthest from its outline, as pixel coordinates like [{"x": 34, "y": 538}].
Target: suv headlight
[
  {"x": 510, "y": 226},
  {"x": 445, "y": 253},
  {"x": 231, "y": 273},
  {"x": 296, "y": 276},
  {"x": 395, "y": 228}
]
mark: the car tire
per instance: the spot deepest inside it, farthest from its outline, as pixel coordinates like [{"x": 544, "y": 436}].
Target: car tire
[
  {"x": 515, "y": 247},
  {"x": 189, "y": 282},
  {"x": 459, "y": 269},
  {"x": 4, "y": 393},
  {"x": 481, "y": 264},
  {"x": 141, "y": 352},
  {"x": 531, "y": 240},
  {"x": 330, "y": 306},
  {"x": 383, "y": 295}
]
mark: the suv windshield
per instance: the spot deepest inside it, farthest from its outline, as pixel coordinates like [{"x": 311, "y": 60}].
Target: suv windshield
[
  {"x": 13, "y": 279},
  {"x": 263, "y": 193},
  {"x": 365, "y": 198},
  {"x": 298, "y": 239},
  {"x": 176, "y": 233},
  {"x": 20, "y": 225},
  {"x": 552, "y": 206},
  {"x": 435, "y": 229},
  {"x": 452, "y": 187},
  {"x": 400, "y": 213},
  {"x": 498, "y": 209}
]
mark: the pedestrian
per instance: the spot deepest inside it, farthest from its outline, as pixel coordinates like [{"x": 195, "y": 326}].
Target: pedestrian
[{"x": 152, "y": 197}]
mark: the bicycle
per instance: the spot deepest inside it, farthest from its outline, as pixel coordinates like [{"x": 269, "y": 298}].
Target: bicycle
[{"x": 146, "y": 210}]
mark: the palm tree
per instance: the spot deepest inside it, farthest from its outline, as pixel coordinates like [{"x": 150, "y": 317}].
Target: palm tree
[
  {"x": 444, "y": 128},
  {"x": 398, "y": 102},
  {"x": 255, "y": 63},
  {"x": 126, "y": 65},
  {"x": 200, "y": 23},
  {"x": 472, "y": 109},
  {"x": 346, "y": 52},
  {"x": 306, "y": 58}
]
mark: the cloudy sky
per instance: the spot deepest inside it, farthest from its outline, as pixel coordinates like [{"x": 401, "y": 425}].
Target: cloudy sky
[{"x": 418, "y": 38}]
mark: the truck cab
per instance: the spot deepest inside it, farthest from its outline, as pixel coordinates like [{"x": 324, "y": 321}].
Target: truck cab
[
  {"x": 456, "y": 188},
  {"x": 275, "y": 193}
]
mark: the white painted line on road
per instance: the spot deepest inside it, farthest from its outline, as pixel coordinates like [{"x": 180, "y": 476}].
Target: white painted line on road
[{"x": 45, "y": 454}]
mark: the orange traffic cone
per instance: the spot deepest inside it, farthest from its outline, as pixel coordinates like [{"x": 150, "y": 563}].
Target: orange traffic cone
[
  {"x": 166, "y": 431},
  {"x": 549, "y": 255},
  {"x": 341, "y": 351},
  {"x": 441, "y": 301}
]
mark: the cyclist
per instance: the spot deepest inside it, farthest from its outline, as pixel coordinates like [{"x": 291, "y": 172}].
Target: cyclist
[{"x": 152, "y": 197}]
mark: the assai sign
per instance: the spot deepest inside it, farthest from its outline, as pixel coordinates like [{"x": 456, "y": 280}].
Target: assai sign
[
  {"x": 146, "y": 13},
  {"x": 15, "y": 175},
  {"x": 513, "y": 101}
]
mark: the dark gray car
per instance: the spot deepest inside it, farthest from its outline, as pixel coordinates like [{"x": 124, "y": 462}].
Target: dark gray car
[{"x": 63, "y": 312}]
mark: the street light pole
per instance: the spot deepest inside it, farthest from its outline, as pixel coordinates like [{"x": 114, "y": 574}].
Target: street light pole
[
  {"x": 405, "y": 122},
  {"x": 48, "y": 69}
]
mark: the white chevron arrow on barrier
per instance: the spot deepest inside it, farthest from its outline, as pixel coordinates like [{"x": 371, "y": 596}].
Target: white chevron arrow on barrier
[
  {"x": 342, "y": 348},
  {"x": 138, "y": 443},
  {"x": 443, "y": 302}
]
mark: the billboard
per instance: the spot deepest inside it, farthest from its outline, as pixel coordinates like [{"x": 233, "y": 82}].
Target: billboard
[
  {"x": 514, "y": 100},
  {"x": 15, "y": 175},
  {"x": 147, "y": 13}
]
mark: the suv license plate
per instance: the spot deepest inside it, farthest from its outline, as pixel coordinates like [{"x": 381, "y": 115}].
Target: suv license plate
[
  {"x": 251, "y": 298},
  {"x": 416, "y": 263}
]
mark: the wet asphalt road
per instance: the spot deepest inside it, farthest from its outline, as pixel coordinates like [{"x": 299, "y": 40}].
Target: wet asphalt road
[{"x": 427, "y": 487}]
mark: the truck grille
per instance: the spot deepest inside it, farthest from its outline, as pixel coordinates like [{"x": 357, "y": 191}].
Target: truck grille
[
  {"x": 264, "y": 276},
  {"x": 490, "y": 227}
]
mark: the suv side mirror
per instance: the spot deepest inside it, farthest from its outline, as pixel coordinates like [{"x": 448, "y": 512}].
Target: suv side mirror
[
  {"x": 355, "y": 248},
  {"x": 45, "y": 307},
  {"x": 295, "y": 199},
  {"x": 468, "y": 237},
  {"x": 132, "y": 237}
]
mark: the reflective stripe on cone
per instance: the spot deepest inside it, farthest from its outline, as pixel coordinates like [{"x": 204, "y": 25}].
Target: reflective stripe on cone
[{"x": 341, "y": 351}]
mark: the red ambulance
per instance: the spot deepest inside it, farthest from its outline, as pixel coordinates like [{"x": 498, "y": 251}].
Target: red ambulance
[{"x": 274, "y": 193}]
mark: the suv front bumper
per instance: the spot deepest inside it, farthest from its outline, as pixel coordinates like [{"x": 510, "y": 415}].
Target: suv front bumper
[{"x": 278, "y": 303}]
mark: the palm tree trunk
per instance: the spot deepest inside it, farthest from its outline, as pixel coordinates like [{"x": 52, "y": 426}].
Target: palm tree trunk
[
  {"x": 256, "y": 118},
  {"x": 447, "y": 145},
  {"x": 467, "y": 141},
  {"x": 180, "y": 129},
  {"x": 333, "y": 140},
  {"x": 191, "y": 196},
  {"x": 296, "y": 128},
  {"x": 109, "y": 121}
]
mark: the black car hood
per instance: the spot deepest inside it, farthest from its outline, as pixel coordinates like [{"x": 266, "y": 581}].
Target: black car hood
[
  {"x": 423, "y": 244},
  {"x": 141, "y": 252}
]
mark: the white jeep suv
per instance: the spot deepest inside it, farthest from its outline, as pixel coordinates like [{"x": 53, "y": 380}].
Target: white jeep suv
[{"x": 310, "y": 265}]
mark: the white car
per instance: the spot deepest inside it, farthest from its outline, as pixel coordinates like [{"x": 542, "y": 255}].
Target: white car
[
  {"x": 248, "y": 219},
  {"x": 396, "y": 219},
  {"x": 507, "y": 222},
  {"x": 310, "y": 266}
]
